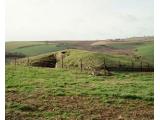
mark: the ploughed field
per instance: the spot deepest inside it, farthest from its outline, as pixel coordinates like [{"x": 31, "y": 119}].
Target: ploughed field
[{"x": 35, "y": 93}]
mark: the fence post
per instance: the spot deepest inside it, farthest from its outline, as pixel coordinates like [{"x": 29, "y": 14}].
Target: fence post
[
  {"x": 132, "y": 65},
  {"x": 148, "y": 68},
  {"x": 62, "y": 61},
  {"x": 141, "y": 67},
  {"x": 28, "y": 61},
  {"x": 119, "y": 65},
  {"x": 15, "y": 62},
  {"x": 104, "y": 67},
  {"x": 81, "y": 64}
]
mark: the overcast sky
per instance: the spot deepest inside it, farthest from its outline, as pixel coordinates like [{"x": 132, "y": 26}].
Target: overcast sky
[{"x": 78, "y": 19}]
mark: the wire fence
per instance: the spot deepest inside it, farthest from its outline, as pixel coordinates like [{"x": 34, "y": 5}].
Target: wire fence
[
  {"x": 104, "y": 67},
  {"x": 132, "y": 67}
]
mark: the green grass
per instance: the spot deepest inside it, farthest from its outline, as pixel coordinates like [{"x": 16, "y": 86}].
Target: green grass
[
  {"x": 63, "y": 82},
  {"x": 21, "y": 107},
  {"x": 89, "y": 59},
  {"x": 147, "y": 52},
  {"x": 39, "y": 49},
  {"x": 55, "y": 93},
  {"x": 48, "y": 93},
  {"x": 18, "y": 44},
  {"x": 144, "y": 49},
  {"x": 32, "y": 48},
  {"x": 125, "y": 45}
]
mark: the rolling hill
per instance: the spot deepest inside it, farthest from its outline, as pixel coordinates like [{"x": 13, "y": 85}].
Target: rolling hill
[{"x": 92, "y": 53}]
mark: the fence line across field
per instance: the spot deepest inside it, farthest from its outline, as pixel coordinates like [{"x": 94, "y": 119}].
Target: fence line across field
[{"x": 142, "y": 67}]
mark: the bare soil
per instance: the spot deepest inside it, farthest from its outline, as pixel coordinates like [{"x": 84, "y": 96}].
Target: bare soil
[{"x": 75, "y": 107}]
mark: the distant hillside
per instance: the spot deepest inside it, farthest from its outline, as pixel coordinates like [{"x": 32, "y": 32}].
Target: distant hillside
[
  {"x": 116, "y": 46},
  {"x": 119, "y": 51},
  {"x": 32, "y": 48}
]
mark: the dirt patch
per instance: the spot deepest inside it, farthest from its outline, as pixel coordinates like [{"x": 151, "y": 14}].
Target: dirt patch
[{"x": 76, "y": 108}]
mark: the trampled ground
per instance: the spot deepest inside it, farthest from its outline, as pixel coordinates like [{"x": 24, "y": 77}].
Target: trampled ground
[{"x": 51, "y": 93}]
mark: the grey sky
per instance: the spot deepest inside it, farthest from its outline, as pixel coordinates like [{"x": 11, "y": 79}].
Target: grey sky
[{"x": 78, "y": 19}]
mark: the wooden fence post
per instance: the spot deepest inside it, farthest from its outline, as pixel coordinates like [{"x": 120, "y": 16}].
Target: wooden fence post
[
  {"x": 105, "y": 67},
  {"x": 81, "y": 64},
  {"x": 148, "y": 68},
  {"x": 119, "y": 65},
  {"x": 15, "y": 62},
  {"x": 62, "y": 61},
  {"x": 141, "y": 67},
  {"x": 132, "y": 65},
  {"x": 28, "y": 61}
]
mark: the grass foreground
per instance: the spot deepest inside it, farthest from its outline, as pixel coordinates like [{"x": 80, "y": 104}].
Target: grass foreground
[{"x": 50, "y": 93}]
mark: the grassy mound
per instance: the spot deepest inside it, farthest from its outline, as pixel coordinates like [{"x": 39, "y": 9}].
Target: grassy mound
[{"x": 76, "y": 58}]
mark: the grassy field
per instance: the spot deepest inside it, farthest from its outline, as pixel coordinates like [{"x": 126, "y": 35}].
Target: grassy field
[
  {"x": 32, "y": 48},
  {"x": 92, "y": 52},
  {"x": 49, "y": 93},
  {"x": 41, "y": 93},
  {"x": 18, "y": 44},
  {"x": 124, "y": 46},
  {"x": 146, "y": 51},
  {"x": 38, "y": 49}
]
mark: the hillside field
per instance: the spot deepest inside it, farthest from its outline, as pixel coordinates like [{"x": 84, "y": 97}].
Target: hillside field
[
  {"x": 122, "y": 46},
  {"x": 55, "y": 80},
  {"x": 122, "y": 51},
  {"x": 31, "y": 48},
  {"x": 49, "y": 93}
]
